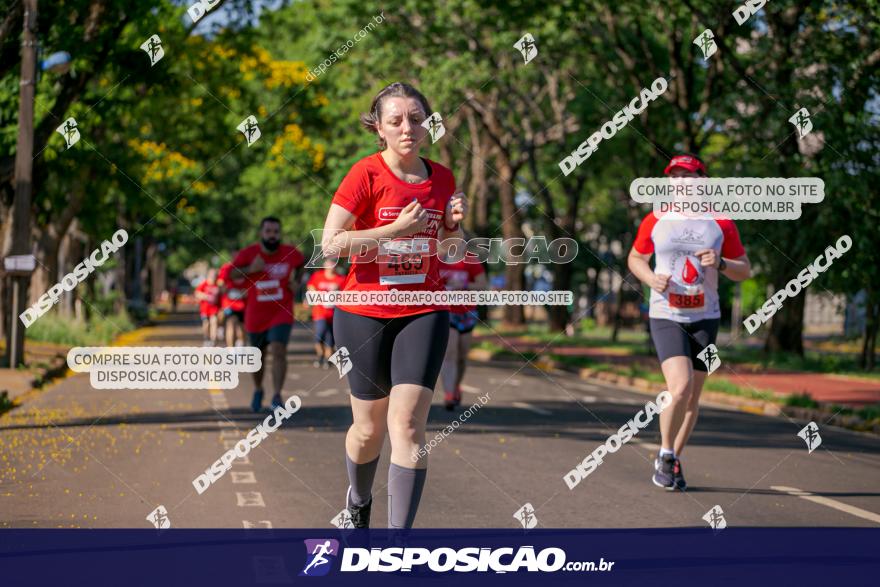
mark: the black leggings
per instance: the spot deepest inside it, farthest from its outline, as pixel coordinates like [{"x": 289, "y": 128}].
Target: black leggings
[
  {"x": 385, "y": 352},
  {"x": 683, "y": 339}
]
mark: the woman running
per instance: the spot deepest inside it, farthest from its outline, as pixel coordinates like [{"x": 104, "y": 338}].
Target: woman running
[
  {"x": 395, "y": 350},
  {"x": 684, "y": 311},
  {"x": 466, "y": 273}
]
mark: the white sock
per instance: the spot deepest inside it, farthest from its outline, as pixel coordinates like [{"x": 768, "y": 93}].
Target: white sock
[{"x": 666, "y": 451}]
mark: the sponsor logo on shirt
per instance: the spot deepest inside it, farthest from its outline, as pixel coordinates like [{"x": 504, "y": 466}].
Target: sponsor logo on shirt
[{"x": 689, "y": 237}]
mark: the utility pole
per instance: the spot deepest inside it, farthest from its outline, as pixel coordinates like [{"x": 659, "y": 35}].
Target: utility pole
[{"x": 24, "y": 153}]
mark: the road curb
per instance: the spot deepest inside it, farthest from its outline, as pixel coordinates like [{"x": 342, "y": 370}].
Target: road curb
[{"x": 708, "y": 398}]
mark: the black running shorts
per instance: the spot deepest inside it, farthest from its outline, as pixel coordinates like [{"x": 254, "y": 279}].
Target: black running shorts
[
  {"x": 683, "y": 339},
  {"x": 385, "y": 352}
]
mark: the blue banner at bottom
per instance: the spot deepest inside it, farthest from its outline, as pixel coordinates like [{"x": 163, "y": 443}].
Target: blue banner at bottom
[{"x": 128, "y": 558}]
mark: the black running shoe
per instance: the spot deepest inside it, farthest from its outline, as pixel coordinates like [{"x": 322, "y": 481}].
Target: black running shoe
[
  {"x": 257, "y": 400},
  {"x": 664, "y": 472},
  {"x": 360, "y": 514},
  {"x": 678, "y": 476}
]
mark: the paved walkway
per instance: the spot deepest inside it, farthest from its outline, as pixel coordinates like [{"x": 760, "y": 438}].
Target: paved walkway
[{"x": 830, "y": 388}]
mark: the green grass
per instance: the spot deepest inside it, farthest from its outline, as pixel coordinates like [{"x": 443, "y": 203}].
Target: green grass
[
  {"x": 69, "y": 331},
  {"x": 811, "y": 362}
]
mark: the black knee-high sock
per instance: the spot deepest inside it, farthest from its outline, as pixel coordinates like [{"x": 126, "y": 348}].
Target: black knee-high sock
[
  {"x": 360, "y": 477},
  {"x": 404, "y": 492}
]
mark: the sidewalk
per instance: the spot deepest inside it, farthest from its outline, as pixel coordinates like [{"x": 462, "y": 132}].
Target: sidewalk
[{"x": 824, "y": 388}]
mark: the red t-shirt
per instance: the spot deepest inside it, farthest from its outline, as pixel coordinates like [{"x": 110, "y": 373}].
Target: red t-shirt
[
  {"x": 321, "y": 282},
  {"x": 375, "y": 196},
  {"x": 235, "y": 293},
  {"x": 208, "y": 308},
  {"x": 269, "y": 299},
  {"x": 457, "y": 276}
]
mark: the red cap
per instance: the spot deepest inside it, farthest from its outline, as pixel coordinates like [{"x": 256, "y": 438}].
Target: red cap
[{"x": 688, "y": 162}]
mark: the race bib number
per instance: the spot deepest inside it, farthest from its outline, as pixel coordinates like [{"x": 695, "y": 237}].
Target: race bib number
[
  {"x": 404, "y": 261},
  {"x": 686, "y": 297},
  {"x": 269, "y": 290},
  {"x": 686, "y": 302}
]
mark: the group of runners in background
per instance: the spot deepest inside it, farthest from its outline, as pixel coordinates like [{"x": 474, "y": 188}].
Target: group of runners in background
[{"x": 398, "y": 352}]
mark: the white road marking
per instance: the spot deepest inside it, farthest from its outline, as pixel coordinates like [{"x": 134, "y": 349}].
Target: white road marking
[
  {"x": 497, "y": 381},
  {"x": 327, "y": 392},
  {"x": 243, "y": 477},
  {"x": 293, "y": 376},
  {"x": 589, "y": 399},
  {"x": 257, "y": 524},
  {"x": 249, "y": 499},
  {"x": 532, "y": 408},
  {"x": 832, "y": 503},
  {"x": 469, "y": 388},
  {"x": 649, "y": 445}
]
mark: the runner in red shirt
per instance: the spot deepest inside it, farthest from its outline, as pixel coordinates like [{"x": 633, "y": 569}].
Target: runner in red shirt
[
  {"x": 232, "y": 297},
  {"x": 394, "y": 352},
  {"x": 464, "y": 274},
  {"x": 272, "y": 273},
  {"x": 690, "y": 253},
  {"x": 322, "y": 315},
  {"x": 208, "y": 295}
]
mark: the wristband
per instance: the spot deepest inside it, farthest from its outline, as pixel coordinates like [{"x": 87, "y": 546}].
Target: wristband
[{"x": 722, "y": 265}]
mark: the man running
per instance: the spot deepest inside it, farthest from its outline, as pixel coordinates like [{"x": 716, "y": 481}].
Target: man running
[
  {"x": 690, "y": 253},
  {"x": 322, "y": 316},
  {"x": 272, "y": 271},
  {"x": 208, "y": 296},
  {"x": 464, "y": 274},
  {"x": 233, "y": 291}
]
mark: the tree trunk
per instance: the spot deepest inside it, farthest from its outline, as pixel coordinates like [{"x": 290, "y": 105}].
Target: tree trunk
[
  {"x": 511, "y": 227},
  {"x": 787, "y": 327},
  {"x": 866, "y": 360}
]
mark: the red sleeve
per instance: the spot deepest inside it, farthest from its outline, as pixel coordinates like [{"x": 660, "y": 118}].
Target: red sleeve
[
  {"x": 313, "y": 280},
  {"x": 644, "y": 244},
  {"x": 201, "y": 287},
  {"x": 732, "y": 246},
  {"x": 354, "y": 192},
  {"x": 243, "y": 258},
  {"x": 223, "y": 275}
]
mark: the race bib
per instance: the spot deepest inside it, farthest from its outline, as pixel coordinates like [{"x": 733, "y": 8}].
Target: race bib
[
  {"x": 269, "y": 290},
  {"x": 404, "y": 261},
  {"x": 686, "y": 297}
]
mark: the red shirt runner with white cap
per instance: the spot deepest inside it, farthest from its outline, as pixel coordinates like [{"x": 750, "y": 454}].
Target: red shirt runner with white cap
[
  {"x": 269, "y": 299},
  {"x": 692, "y": 291},
  {"x": 376, "y": 196}
]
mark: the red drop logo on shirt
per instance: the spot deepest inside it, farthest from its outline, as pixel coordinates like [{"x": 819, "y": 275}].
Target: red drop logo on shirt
[{"x": 689, "y": 273}]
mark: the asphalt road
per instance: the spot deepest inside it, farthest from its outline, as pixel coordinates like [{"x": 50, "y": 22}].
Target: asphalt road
[{"x": 73, "y": 456}]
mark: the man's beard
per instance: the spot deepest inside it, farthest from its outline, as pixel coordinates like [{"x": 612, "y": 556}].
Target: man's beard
[{"x": 271, "y": 245}]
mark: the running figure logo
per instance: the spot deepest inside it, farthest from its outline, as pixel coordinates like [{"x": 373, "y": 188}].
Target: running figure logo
[
  {"x": 710, "y": 358},
  {"x": 434, "y": 125},
  {"x": 526, "y": 516},
  {"x": 342, "y": 361},
  {"x": 801, "y": 121},
  {"x": 70, "y": 131},
  {"x": 342, "y": 520},
  {"x": 153, "y": 47},
  {"x": 706, "y": 43},
  {"x": 526, "y": 46},
  {"x": 250, "y": 130},
  {"x": 320, "y": 554},
  {"x": 159, "y": 518},
  {"x": 715, "y": 518},
  {"x": 810, "y": 434}
]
